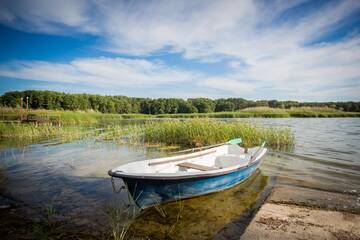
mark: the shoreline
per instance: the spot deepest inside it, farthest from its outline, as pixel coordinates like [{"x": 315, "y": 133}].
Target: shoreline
[{"x": 293, "y": 212}]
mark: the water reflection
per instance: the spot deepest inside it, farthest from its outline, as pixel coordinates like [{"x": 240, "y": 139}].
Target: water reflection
[{"x": 190, "y": 219}]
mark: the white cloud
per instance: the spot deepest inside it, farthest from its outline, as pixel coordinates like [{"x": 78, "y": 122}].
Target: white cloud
[
  {"x": 213, "y": 29},
  {"x": 266, "y": 49},
  {"x": 325, "y": 71},
  {"x": 111, "y": 72},
  {"x": 229, "y": 84},
  {"x": 55, "y": 17},
  {"x": 200, "y": 29}
]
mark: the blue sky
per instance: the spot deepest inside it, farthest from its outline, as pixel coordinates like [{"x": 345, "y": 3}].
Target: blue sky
[{"x": 299, "y": 50}]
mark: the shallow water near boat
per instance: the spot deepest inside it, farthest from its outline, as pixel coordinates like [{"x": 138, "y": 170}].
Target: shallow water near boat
[{"x": 73, "y": 178}]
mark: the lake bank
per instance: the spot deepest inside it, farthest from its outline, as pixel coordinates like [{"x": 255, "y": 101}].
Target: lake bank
[{"x": 303, "y": 213}]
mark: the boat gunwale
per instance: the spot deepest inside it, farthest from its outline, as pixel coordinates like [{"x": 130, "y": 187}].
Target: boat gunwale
[{"x": 195, "y": 175}]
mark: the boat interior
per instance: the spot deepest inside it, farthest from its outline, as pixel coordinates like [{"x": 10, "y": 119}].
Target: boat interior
[{"x": 213, "y": 159}]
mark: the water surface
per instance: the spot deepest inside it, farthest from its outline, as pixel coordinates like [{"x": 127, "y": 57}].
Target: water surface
[
  {"x": 326, "y": 153},
  {"x": 73, "y": 176}
]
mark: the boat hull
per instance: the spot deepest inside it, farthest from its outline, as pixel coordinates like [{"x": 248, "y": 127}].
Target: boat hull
[{"x": 150, "y": 192}]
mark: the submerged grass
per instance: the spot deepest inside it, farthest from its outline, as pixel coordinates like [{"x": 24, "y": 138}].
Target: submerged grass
[
  {"x": 201, "y": 132},
  {"x": 120, "y": 219}
]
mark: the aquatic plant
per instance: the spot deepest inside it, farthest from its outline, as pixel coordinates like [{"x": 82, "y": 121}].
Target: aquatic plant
[
  {"x": 189, "y": 133},
  {"x": 121, "y": 215},
  {"x": 46, "y": 229},
  {"x": 200, "y": 132},
  {"x": 88, "y": 118},
  {"x": 65, "y": 117},
  {"x": 266, "y": 112},
  {"x": 118, "y": 230},
  {"x": 180, "y": 204},
  {"x": 25, "y": 132},
  {"x": 160, "y": 209}
]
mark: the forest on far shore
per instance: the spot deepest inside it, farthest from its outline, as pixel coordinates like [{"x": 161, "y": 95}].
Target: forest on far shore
[{"x": 52, "y": 100}]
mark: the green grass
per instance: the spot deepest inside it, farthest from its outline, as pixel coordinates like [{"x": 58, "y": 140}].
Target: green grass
[
  {"x": 65, "y": 117},
  {"x": 92, "y": 118},
  {"x": 320, "y": 112},
  {"x": 120, "y": 219},
  {"x": 190, "y": 133},
  {"x": 266, "y": 112},
  {"x": 201, "y": 132},
  {"x": 26, "y": 132}
]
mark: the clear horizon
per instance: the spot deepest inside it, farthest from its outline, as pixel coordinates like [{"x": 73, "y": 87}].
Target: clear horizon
[{"x": 284, "y": 50}]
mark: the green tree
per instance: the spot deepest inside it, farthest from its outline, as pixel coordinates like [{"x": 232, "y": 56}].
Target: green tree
[
  {"x": 203, "y": 105},
  {"x": 224, "y": 105}
]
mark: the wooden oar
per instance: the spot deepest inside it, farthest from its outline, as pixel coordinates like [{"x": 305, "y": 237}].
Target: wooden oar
[{"x": 232, "y": 141}]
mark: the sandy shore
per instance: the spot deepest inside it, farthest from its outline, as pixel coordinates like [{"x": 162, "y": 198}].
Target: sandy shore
[{"x": 300, "y": 213}]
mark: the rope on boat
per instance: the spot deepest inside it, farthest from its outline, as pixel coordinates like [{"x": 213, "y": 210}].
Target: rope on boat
[{"x": 114, "y": 187}]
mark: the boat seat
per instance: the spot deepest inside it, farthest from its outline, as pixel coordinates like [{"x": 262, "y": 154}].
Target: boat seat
[{"x": 196, "y": 166}]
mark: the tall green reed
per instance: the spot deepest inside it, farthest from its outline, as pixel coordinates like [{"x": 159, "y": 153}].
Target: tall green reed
[{"x": 200, "y": 132}]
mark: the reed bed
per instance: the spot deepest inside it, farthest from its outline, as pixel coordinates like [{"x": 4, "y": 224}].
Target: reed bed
[
  {"x": 266, "y": 112},
  {"x": 25, "y": 132},
  {"x": 65, "y": 117},
  {"x": 90, "y": 118},
  {"x": 189, "y": 133},
  {"x": 201, "y": 132}
]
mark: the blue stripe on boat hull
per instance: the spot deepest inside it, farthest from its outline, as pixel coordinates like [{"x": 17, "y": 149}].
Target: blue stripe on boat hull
[{"x": 147, "y": 193}]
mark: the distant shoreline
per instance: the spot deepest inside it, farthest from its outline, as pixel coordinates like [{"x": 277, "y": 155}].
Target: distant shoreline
[
  {"x": 268, "y": 113},
  {"x": 91, "y": 117},
  {"x": 230, "y": 107}
]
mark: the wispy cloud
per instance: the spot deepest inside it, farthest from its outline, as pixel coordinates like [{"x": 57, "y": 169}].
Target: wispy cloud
[
  {"x": 54, "y": 17},
  {"x": 268, "y": 45},
  {"x": 98, "y": 71},
  {"x": 197, "y": 28}
]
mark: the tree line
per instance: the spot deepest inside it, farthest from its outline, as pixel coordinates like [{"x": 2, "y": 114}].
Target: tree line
[{"x": 52, "y": 100}]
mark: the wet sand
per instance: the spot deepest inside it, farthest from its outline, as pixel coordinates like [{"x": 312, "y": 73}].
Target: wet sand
[{"x": 302, "y": 213}]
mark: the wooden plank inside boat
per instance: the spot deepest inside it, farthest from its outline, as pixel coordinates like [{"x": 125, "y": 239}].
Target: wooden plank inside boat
[
  {"x": 196, "y": 166},
  {"x": 182, "y": 158}
]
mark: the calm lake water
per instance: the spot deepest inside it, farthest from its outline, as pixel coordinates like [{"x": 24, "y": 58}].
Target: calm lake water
[{"x": 73, "y": 178}]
